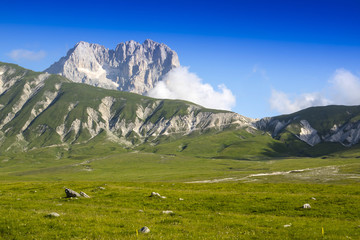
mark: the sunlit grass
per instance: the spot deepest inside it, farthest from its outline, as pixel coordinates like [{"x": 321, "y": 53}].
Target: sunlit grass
[{"x": 208, "y": 211}]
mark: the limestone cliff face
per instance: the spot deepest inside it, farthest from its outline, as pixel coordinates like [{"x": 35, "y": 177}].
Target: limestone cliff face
[{"x": 132, "y": 66}]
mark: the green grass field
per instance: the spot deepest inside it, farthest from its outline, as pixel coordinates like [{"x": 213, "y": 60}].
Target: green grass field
[
  {"x": 236, "y": 199},
  {"x": 207, "y": 211}
]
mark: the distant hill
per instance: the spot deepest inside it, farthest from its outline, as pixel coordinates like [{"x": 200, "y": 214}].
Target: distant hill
[{"x": 335, "y": 124}]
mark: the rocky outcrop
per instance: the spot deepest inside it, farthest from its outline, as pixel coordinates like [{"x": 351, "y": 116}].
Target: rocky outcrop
[
  {"x": 347, "y": 134},
  {"x": 132, "y": 66},
  {"x": 308, "y": 134},
  {"x": 104, "y": 117}
]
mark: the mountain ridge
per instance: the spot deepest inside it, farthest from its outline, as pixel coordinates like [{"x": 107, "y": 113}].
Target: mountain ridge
[
  {"x": 40, "y": 109},
  {"x": 131, "y": 66},
  {"x": 333, "y": 123}
]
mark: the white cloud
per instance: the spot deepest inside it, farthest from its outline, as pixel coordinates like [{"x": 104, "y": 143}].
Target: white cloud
[
  {"x": 342, "y": 89},
  {"x": 23, "y": 54},
  {"x": 282, "y": 103},
  {"x": 179, "y": 83},
  {"x": 345, "y": 88}
]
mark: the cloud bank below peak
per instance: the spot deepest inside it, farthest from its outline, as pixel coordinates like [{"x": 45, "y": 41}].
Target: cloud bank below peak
[
  {"x": 179, "y": 83},
  {"x": 342, "y": 89}
]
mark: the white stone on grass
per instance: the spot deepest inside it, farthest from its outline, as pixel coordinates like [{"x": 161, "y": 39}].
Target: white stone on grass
[
  {"x": 306, "y": 205},
  {"x": 144, "y": 230},
  {"x": 53, "y": 214},
  {"x": 84, "y": 195},
  {"x": 71, "y": 193},
  {"x": 155, "y": 194},
  {"x": 167, "y": 212}
]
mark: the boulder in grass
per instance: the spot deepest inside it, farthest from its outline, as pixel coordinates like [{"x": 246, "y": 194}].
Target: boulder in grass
[
  {"x": 306, "y": 205},
  {"x": 84, "y": 195},
  {"x": 144, "y": 230},
  {"x": 155, "y": 194},
  {"x": 71, "y": 193},
  {"x": 53, "y": 214},
  {"x": 167, "y": 212}
]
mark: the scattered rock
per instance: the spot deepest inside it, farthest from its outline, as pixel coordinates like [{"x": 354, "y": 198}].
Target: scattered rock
[
  {"x": 181, "y": 199},
  {"x": 167, "y": 212},
  {"x": 84, "y": 195},
  {"x": 155, "y": 194},
  {"x": 144, "y": 230},
  {"x": 71, "y": 193},
  {"x": 287, "y": 225},
  {"x": 306, "y": 205},
  {"x": 313, "y": 198},
  {"x": 141, "y": 210},
  {"x": 101, "y": 188},
  {"x": 53, "y": 214}
]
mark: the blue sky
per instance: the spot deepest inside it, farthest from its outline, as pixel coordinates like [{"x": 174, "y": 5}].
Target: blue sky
[{"x": 274, "y": 56}]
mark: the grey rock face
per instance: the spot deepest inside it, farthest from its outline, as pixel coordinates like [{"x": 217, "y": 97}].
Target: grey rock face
[
  {"x": 308, "y": 134},
  {"x": 132, "y": 66}
]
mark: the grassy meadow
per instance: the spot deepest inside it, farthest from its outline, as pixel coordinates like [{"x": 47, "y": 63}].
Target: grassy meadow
[
  {"x": 252, "y": 198},
  {"x": 208, "y": 211}
]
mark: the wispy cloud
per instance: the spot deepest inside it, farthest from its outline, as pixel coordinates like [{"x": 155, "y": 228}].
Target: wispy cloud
[
  {"x": 23, "y": 54},
  {"x": 342, "y": 89},
  {"x": 179, "y": 83},
  {"x": 283, "y": 103},
  {"x": 345, "y": 87},
  {"x": 261, "y": 71}
]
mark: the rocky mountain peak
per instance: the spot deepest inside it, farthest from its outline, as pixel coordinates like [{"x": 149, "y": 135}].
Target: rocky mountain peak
[{"x": 130, "y": 67}]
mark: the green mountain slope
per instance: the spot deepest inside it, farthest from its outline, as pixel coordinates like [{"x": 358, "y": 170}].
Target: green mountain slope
[
  {"x": 316, "y": 126},
  {"x": 39, "y": 110}
]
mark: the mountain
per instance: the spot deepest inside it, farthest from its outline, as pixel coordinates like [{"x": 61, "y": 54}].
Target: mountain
[
  {"x": 41, "y": 109},
  {"x": 131, "y": 67},
  {"x": 315, "y": 125}
]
